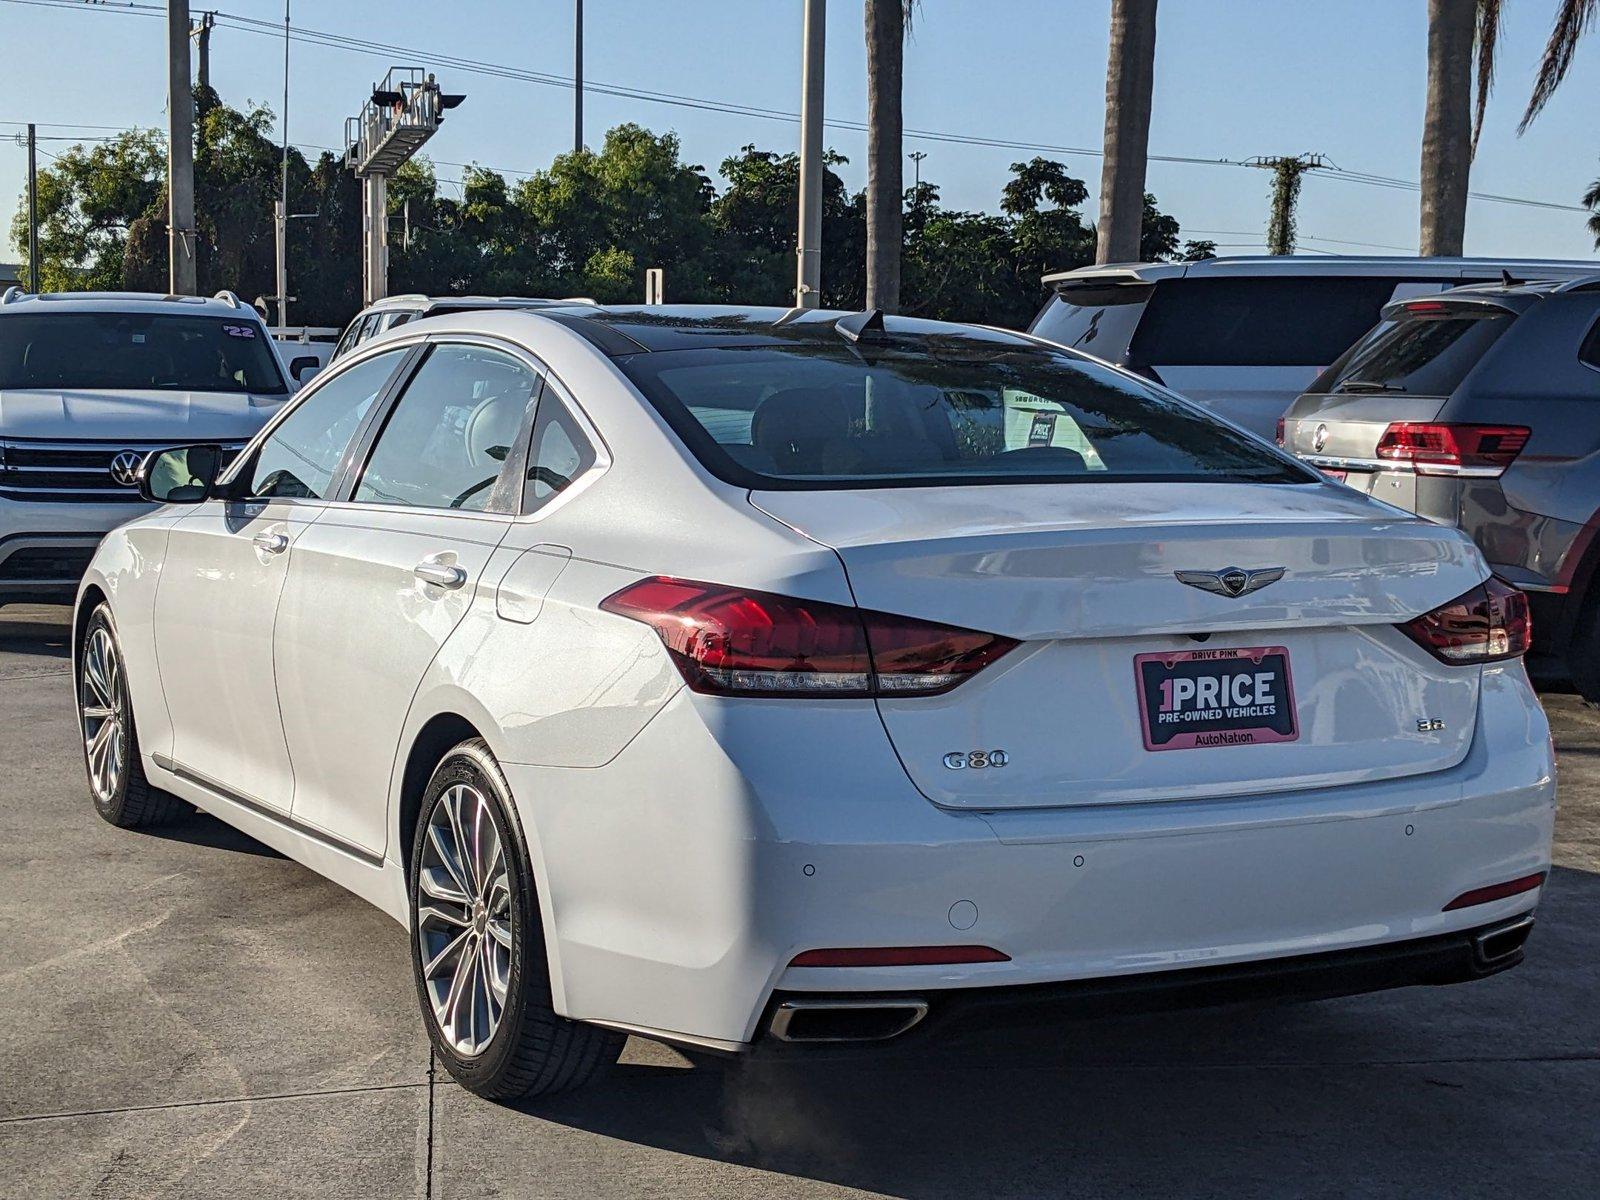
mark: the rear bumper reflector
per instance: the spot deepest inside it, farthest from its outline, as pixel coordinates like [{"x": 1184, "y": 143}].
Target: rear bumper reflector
[
  {"x": 898, "y": 956},
  {"x": 1496, "y": 891}
]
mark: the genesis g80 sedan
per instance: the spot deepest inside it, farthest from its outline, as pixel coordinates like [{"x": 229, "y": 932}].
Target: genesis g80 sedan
[{"x": 748, "y": 678}]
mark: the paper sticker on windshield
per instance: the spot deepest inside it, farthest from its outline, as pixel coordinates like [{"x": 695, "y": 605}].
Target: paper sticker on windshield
[{"x": 239, "y": 331}]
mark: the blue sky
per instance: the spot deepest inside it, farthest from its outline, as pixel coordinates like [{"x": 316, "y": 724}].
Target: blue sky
[{"x": 1235, "y": 78}]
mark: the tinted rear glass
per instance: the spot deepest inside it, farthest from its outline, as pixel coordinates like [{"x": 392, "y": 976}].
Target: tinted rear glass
[
  {"x": 136, "y": 352},
  {"x": 817, "y": 416},
  {"x": 1429, "y": 356},
  {"x": 1098, "y": 322},
  {"x": 1261, "y": 322}
]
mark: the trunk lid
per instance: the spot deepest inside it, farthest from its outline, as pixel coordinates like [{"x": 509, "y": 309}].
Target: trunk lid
[
  {"x": 1083, "y": 575},
  {"x": 1322, "y": 428}
]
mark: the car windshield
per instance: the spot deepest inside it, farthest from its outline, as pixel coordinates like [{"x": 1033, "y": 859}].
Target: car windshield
[
  {"x": 819, "y": 416},
  {"x": 130, "y": 351}
]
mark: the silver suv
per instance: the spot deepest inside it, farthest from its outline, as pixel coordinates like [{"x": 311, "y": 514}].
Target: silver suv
[
  {"x": 90, "y": 382},
  {"x": 1480, "y": 408},
  {"x": 1244, "y": 336}
]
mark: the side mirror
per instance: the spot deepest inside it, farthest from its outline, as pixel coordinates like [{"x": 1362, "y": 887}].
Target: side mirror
[
  {"x": 304, "y": 367},
  {"x": 182, "y": 475}
]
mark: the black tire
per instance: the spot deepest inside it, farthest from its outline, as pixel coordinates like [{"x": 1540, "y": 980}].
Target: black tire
[
  {"x": 130, "y": 802},
  {"x": 533, "y": 1051}
]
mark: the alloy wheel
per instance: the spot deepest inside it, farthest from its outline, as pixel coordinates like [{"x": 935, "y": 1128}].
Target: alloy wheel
[
  {"x": 104, "y": 715},
  {"x": 464, "y": 919}
]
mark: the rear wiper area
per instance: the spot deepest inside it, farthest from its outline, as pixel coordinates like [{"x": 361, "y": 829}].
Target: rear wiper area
[{"x": 1368, "y": 385}]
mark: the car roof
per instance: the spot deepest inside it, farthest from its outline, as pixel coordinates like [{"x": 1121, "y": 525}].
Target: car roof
[
  {"x": 1246, "y": 265},
  {"x": 15, "y": 300},
  {"x": 619, "y": 330},
  {"x": 425, "y": 303}
]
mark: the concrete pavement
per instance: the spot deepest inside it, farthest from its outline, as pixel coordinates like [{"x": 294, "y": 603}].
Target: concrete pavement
[{"x": 188, "y": 1014}]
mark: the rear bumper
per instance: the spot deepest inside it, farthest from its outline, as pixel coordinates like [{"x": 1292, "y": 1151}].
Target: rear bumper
[
  {"x": 45, "y": 548},
  {"x": 680, "y": 879},
  {"x": 1459, "y": 957}
]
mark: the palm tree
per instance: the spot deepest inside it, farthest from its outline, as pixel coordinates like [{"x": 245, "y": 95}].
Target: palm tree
[
  {"x": 1130, "y": 78},
  {"x": 1452, "y": 125},
  {"x": 888, "y": 22},
  {"x": 1573, "y": 20}
]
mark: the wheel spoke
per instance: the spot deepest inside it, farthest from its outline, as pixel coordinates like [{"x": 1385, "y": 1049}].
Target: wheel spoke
[
  {"x": 452, "y": 864},
  {"x": 96, "y": 712},
  {"x": 452, "y": 947},
  {"x": 433, "y": 912},
  {"x": 452, "y": 807}
]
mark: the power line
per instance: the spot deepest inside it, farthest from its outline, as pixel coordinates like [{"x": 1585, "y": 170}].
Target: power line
[{"x": 370, "y": 47}]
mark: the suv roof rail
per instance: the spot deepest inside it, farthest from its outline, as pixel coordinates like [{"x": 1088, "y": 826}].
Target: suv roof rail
[
  {"x": 1586, "y": 283},
  {"x": 228, "y": 298},
  {"x": 12, "y": 293}
]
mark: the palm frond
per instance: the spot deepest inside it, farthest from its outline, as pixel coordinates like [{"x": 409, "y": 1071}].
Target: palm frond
[
  {"x": 1489, "y": 16},
  {"x": 1573, "y": 19}
]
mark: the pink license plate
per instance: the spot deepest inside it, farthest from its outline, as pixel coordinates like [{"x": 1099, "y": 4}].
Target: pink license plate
[{"x": 1192, "y": 699}]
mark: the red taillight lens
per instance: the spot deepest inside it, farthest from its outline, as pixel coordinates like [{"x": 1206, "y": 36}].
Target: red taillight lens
[
  {"x": 898, "y": 956},
  {"x": 1489, "y": 623},
  {"x": 1279, "y": 433},
  {"x": 727, "y": 641},
  {"x": 1496, "y": 891},
  {"x": 1453, "y": 449}
]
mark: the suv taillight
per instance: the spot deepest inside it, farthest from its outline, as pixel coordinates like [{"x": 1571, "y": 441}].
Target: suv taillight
[
  {"x": 1278, "y": 434},
  {"x": 1487, "y": 624},
  {"x": 731, "y": 642},
  {"x": 1453, "y": 449}
]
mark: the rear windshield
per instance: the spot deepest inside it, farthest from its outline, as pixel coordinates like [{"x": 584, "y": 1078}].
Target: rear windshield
[
  {"x": 1099, "y": 321},
  {"x": 1305, "y": 321},
  {"x": 814, "y": 417},
  {"x": 1426, "y": 355},
  {"x": 136, "y": 352}
]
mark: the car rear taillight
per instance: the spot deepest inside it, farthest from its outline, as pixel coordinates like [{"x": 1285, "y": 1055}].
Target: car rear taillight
[
  {"x": 728, "y": 641},
  {"x": 1487, "y": 624},
  {"x": 1453, "y": 449},
  {"x": 1279, "y": 432}
]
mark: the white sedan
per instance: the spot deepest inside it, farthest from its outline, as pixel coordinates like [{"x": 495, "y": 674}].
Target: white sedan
[{"x": 741, "y": 677}]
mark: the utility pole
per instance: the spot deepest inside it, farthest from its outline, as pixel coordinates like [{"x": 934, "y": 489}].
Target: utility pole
[
  {"x": 180, "y": 154},
  {"x": 808, "y": 284},
  {"x": 916, "y": 157},
  {"x": 202, "y": 41},
  {"x": 577, "y": 80},
  {"x": 281, "y": 208},
  {"x": 1286, "y": 173},
  {"x": 33, "y": 211}
]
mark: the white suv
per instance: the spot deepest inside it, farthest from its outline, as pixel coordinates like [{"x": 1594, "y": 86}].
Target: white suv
[{"x": 89, "y": 383}]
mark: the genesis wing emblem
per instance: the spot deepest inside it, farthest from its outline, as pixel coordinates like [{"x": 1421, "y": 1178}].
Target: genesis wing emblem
[{"x": 1232, "y": 582}]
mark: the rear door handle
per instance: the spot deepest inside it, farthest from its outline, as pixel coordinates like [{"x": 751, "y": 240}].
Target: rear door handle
[
  {"x": 271, "y": 543},
  {"x": 445, "y": 575}
]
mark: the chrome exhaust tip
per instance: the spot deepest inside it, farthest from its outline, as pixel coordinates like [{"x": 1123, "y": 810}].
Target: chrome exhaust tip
[
  {"x": 845, "y": 1020},
  {"x": 1494, "y": 946}
]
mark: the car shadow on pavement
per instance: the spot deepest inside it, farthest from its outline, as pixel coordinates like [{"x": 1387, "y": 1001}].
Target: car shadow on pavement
[
  {"x": 36, "y": 631},
  {"x": 202, "y": 829},
  {"x": 1421, "y": 1091}
]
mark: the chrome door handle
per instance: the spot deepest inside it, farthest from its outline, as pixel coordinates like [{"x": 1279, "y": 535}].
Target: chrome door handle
[
  {"x": 444, "y": 575},
  {"x": 271, "y": 543}
]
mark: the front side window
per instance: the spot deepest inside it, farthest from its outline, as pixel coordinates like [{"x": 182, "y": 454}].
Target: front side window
[
  {"x": 817, "y": 415},
  {"x": 122, "y": 351},
  {"x": 444, "y": 444},
  {"x": 301, "y": 455}
]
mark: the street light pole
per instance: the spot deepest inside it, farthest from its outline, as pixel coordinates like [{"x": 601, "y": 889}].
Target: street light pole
[
  {"x": 281, "y": 214},
  {"x": 180, "y": 154},
  {"x": 577, "y": 79},
  {"x": 808, "y": 283},
  {"x": 33, "y": 212}
]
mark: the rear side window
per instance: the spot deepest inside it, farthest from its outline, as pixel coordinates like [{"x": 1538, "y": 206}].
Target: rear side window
[
  {"x": 1425, "y": 355},
  {"x": 1259, "y": 322},
  {"x": 445, "y": 442},
  {"x": 560, "y": 453},
  {"x": 814, "y": 416}
]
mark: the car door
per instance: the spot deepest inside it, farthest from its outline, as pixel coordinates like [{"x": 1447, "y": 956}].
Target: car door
[
  {"x": 387, "y": 572},
  {"x": 221, "y": 579}
]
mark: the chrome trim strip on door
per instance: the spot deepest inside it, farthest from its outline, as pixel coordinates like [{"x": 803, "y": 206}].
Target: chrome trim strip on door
[{"x": 276, "y": 816}]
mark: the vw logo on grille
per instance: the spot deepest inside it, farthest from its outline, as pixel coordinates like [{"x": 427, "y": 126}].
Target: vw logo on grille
[{"x": 125, "y": 469}]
